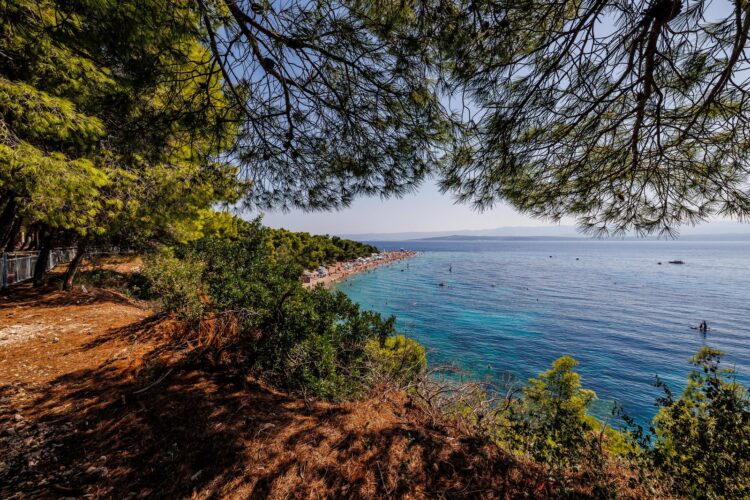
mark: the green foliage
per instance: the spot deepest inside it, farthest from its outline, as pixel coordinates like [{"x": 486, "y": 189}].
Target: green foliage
[
  {"x": 550, "y": 423},
  {"x": 176, "y": 283},
  {"x": 336, "y": 99},
  {"x": 311, "y": 341},
  {"x": 327, "y": 339},
  {"x": 61, "y": 192},
  {"x": 702, "y": 439},
  {"x": 42, "y": 117},
  {"x": 612, "y": 440},
  {"x": 546, "y": 421},
  {"x": 397, "y": 358},
  {"x": 311, "y": 251},
  {"x": 639, "y": 126},
  {"x": 133, "y": 285},
  {"x": 111, "y": 119}
]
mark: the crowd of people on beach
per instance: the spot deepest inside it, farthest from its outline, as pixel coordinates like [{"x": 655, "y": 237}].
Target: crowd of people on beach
[{"x": 340, "y": 270}]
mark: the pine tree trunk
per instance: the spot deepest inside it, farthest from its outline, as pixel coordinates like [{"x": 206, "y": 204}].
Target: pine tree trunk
[
  {"x": 8, "y": 222},
  {"x": 30, "y": 241},
  {"x": 16, "y": 236},
  {"x": 40, "y": 269},
  {"x": 70, "y": 275}
]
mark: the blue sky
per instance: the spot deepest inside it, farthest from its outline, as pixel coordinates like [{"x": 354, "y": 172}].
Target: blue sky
[{"x": 426, "y": 210}]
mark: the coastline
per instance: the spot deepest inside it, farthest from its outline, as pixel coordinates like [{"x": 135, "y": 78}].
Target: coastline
[{"x": 341, "y": 270}]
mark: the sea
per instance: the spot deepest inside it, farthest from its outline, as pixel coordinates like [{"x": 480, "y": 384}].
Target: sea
[{"x": 509, "y": 308}]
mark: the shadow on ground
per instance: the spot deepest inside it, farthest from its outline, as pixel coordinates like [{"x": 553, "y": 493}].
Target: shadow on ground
[
  {"x": 156, "y": 429},
  {"x": 51, "y": 295}
]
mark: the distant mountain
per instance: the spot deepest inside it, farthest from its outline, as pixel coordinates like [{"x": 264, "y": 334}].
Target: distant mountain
[
  {"x": 458, "y": 237},
  {"x": 548, "y": 231},
  {"x": 716, "y": 237},
  {"x": 716, "y": 230}
]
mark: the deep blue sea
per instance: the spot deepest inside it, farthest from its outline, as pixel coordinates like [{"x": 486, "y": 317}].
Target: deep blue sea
[{"x": 509, "y": 308}]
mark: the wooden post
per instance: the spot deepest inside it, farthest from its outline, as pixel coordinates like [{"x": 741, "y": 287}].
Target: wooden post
[
  {"x": 73, "y": 266},
  {"x": 4, "y": 276}
]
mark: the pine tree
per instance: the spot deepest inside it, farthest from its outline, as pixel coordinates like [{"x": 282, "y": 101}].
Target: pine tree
[
  {"x": 112, "y": 123},
  {"x": 336, "y": 99},
  {"x": 628, "y": 115}
]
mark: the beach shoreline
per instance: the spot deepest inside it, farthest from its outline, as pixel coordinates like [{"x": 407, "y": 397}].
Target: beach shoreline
[{"x": 341, "y": 270}]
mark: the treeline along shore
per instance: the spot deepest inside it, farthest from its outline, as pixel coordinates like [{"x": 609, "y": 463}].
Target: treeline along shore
[{"x": 342, "y": 270}]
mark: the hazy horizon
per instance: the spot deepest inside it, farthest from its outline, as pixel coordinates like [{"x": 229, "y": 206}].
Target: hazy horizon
[
  {"x": 426, "y": 210},
  {"x": 428, "y": 213}
]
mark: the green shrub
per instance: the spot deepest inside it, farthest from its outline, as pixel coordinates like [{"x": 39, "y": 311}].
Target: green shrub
[
  {"x": 176, "y": 283},
  {"x": 311, "y": 341},
  {"x": 133, "y": 285},
  {"x": 313, "y": 366},
  {"x": 612, "y": 440},
  {"x": 397, "y": 359},
  {"x": 702, "y": 439},
  {"x": 549, "y": 422}
]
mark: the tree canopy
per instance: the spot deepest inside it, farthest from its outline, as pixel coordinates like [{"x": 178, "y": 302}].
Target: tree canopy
[
  {"x": 109, "y": 121},
  {"x": 628, "y": 115},
  {"x": 311, "y": 251},
  {"x": 123, "y": 120},
  {"x": 336, "y": 98}
]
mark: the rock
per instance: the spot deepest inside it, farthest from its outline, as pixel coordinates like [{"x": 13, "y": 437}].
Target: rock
[{"x": 97, "y": 471}]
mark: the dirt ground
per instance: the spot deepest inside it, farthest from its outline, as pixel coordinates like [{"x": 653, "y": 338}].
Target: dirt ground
[
  {"x": 93, "y": 405},
  {"x": 82, "y": 413}
]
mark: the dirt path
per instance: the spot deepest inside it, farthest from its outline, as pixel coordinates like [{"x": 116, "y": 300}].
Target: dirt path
[{"x": 31, "y": 330}]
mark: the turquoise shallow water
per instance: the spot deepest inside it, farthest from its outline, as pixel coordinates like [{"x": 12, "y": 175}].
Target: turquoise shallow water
[{"x": 518, "y": 305}]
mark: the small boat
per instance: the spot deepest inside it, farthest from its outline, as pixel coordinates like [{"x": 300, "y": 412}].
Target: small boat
[
  {"x": 442, "y": 284},
  {"x": 676, "y": 261}
]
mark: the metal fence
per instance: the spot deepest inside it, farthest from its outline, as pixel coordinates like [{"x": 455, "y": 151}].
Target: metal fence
[
  {"x": 17, "y": 267},
  {"x": 60, "y": 256}
]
